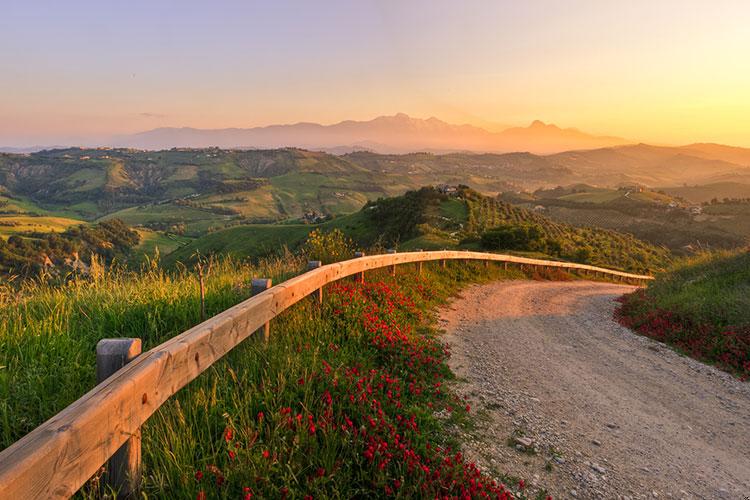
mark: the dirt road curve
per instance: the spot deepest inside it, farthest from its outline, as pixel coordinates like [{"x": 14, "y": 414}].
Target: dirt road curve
[{"x": 609, "y": 414}]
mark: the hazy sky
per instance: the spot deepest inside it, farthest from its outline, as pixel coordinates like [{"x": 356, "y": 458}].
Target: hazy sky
[{"x": 668, "y": 71}]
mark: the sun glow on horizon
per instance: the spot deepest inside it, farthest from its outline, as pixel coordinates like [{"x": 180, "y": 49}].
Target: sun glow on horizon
[{"x": 671, "y": 73}]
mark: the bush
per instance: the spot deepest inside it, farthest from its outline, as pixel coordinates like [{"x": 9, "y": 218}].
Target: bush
[
  {"x": 529, "y": 237},
  {"x": 328, "y": 247}
]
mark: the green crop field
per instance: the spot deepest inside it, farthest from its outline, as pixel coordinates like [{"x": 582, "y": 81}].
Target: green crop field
[
  {"x": 150, "y": 241},
  {"x": 18, "y": 224}
]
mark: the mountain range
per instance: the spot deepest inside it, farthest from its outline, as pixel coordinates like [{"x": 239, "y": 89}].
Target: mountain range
[{"x": 399, "y": 133}]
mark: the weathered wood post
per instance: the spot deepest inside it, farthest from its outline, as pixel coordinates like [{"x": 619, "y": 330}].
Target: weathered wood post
[
  {"x": 123, "y": 469},
  {"x": 360, "y": 277},
  {"x": 505, "y": 266},
  {"x": 259, "y": 285},
  {"x": 393, "y": 266},
  {"x": 418, "y": 265},
  {"x": 202, "y": 290},
  {"x": 314, "y": 264}
]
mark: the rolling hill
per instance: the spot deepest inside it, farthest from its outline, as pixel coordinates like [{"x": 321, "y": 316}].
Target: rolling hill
[
  {"x": 191, "y": 192},
  {"x": 655, "y": 165},
  {"x": 431, "y": 219},
  {"x": 659, "y": 217}
]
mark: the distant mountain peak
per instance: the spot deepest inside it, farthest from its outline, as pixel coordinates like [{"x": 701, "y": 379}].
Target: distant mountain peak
[{"x": 398, "y": 133}]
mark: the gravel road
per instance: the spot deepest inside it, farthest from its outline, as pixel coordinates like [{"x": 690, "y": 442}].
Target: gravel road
[{"x": 571, "y": 401}]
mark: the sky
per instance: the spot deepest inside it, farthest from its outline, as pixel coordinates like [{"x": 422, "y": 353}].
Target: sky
[{"x": 659, "y": 71}]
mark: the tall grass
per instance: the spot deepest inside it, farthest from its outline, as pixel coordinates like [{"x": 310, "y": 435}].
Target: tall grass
[
  {"x": 48, "y": 336},
  {"x": 701, "y": 306},
  {"x": 48, "y": 333},
  {"x": 713, "y": 287}
]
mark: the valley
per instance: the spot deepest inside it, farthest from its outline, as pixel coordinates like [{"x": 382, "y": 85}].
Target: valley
[{"x": 186, "y": 200}]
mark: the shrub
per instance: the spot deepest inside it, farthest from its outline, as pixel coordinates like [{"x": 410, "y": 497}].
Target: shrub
[
  {"x": 528, "y": 237},
  {"x": 328, "y": 247}
]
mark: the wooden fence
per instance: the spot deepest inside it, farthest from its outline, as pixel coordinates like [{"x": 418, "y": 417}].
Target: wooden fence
[{"x": 62, "y": 454}]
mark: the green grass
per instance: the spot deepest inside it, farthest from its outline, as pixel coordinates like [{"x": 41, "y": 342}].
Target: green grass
[
  {"x": 700, "y": 307},
  {"x": 257, "y": 240},
  {"x": 455, "y": 210},
  {"x": 711, "y": 288},
  {"x": 329, "y": 192},
  {"x": 165, "y": 243},
  {"x": 253, "y": 241},
  {"x": 19, "y": 224},
  {"x": 87, "y": 179},
  {"x": 47, "y": 343},
  {"x": 197, "y": 220}
]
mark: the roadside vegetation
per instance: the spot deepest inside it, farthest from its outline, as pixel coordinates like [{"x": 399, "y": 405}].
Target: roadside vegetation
[
  {"x": 348, "y": 399},
  {"x": 701, "y": 306}
]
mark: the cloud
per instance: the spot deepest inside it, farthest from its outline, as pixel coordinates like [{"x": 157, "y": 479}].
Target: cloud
[{"x": 152, "y": 115}]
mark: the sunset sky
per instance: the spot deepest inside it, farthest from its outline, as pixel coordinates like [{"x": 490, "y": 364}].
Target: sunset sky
[{"x": 667, "y": 71}]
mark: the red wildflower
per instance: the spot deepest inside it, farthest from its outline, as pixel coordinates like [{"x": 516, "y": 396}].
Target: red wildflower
[{"x": 266, "y": 454}]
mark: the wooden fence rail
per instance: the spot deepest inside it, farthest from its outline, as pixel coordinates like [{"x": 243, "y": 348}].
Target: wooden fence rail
[{"x": 62, "y": 454}]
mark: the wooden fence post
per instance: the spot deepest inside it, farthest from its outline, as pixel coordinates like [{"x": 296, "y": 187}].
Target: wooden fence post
[
  {"x": 123, "y": 469},
  {"x": 360, "y": 277},
  {"x": 259, "y": 285},
  {"x": 393, "y": 267},
  {"x": 418, "y": 265},
  {"x": 314, "y": 264}
]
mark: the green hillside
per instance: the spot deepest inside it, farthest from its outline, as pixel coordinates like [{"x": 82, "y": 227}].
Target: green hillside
[
  {"x": 430, "y": 219},
  {"x": 653, "y": 216},
  {"x": 208, "y": 189}
]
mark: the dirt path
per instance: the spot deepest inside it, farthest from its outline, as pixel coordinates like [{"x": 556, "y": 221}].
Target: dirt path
[{"x": 609, "y": 413}]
